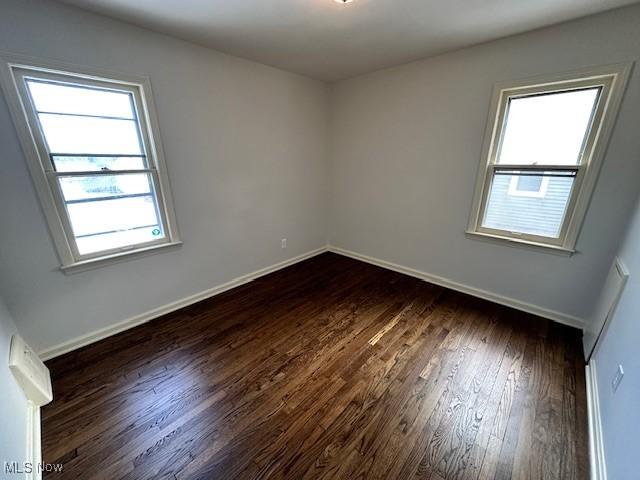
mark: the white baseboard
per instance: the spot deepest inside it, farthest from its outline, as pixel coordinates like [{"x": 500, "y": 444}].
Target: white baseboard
[
  {"x": 97, "y": 335},
  {"x": 476, "y": 292},
  {"x": 596, "y": 444}
]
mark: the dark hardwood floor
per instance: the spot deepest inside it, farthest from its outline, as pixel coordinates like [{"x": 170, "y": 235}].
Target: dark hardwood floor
[{"x": 329, "y": 369}]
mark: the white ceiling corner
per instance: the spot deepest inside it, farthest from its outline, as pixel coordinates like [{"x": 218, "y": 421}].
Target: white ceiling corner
[{"x": 330, "y": 41}]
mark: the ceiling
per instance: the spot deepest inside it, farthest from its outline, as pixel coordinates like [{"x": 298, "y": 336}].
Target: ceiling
[{"x": 331, "y": 41}]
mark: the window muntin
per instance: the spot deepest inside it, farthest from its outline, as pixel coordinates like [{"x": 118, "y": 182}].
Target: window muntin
[
  {"x": 98, "y": 157},
  {"x": 84, "y": 163},
  {"x": 555, "y": 131}
]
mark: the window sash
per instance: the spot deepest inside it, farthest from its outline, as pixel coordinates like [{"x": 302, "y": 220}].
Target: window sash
[
  {"x": 573, "y": 87},
  {"x": 68, "y": 249},
  {"x": 61, "y": 205},
  {"x": 75, "y": 83},
  {"x": 570, "y": 86},
  {"x": 611, "y": 81},
  {"x": 577, "y": 172},
  {"x": 22, "y": 75}
]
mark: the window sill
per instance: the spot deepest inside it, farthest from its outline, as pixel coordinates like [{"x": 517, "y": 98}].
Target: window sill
[
  {"x": 516, "y": 242},
  {"x": 90, "y": 264}
]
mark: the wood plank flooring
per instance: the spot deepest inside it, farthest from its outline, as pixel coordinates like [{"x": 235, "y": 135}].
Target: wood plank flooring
[{"x": 329, "y": 369}]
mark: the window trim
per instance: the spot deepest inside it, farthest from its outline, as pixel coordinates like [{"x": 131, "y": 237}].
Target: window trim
[
  {"x": 613, "y": 80},
  {"x": 12, "y": 68}
]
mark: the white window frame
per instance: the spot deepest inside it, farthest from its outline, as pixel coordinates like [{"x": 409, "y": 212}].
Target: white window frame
[
  {"x": 612, "y": 79},
  {"x": 13, "y": 70},
  {"x": 540, "y": 193}
]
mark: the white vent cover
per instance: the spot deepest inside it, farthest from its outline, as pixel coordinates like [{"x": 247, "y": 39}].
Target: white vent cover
[{"x": 32, "y": 375}]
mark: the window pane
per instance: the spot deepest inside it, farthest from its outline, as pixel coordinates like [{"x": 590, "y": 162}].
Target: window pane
[
  {"x": 84, "y": 188},
  {"x": 547, "y": 129},
  {"x": 65, "y": 134},
  {"x": 529, "y": 183},
  {"x": 105, "y": 224},
  {"x": 535, "y": 215},
  {"x": 60, "y": 98},
  {"x": 88, "y": 164}
]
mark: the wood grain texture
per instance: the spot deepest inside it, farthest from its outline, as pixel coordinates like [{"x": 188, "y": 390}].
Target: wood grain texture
[{"x": 329, "y": 369}]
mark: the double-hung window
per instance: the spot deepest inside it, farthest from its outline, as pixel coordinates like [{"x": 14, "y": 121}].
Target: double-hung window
[
  {"x": 96, "y": 163},
  {"x": 544, "y": 145}
]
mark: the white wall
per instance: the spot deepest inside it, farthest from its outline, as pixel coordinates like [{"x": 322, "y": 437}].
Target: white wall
[
  {"x": 405, "y": 146},
  {"x": 245, "y": 147},
  {"x": 13, "y": 420},
  {"x": 620, "y": 415}
]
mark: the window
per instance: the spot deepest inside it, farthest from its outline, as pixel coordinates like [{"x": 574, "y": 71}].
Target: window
[
  {"x": 543, "y": 149},
  {"x": 96, "y": 163},
  {"x": 528, "y": 186}
]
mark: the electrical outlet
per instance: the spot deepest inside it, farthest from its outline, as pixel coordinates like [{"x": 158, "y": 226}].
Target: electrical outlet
[
  {"x": 283, "y": 243},
  {"x": 615, "y": 383}
]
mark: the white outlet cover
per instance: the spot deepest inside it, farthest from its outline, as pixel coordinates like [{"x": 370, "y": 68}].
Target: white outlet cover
[{"x": 615, "y": 383}]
